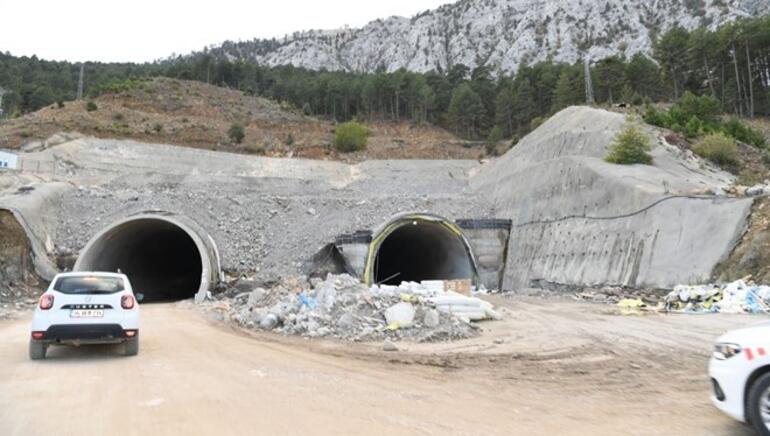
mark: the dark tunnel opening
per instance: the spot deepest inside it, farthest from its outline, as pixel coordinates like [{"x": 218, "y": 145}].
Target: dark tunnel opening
[
  {"x": 422, "y": 250},
  {"x": 160, "y": 259}
]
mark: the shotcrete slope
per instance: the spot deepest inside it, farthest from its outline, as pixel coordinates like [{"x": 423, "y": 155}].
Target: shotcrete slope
[
  {"x": 268, "y": 216},
  {"x": 578, "y": 220}
]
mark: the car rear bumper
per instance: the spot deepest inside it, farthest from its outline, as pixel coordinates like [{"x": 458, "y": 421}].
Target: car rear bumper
[{"x": 86, "y": 334}]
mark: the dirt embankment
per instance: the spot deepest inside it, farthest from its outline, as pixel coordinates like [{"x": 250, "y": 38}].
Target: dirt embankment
[
  {"x": 18, "y": 282},
  {"x": 198, "y": 115},
  {"x": 752, "y": 254}
]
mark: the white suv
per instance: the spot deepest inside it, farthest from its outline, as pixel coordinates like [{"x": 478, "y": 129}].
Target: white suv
[
  {"x": 86, "y": 308},
  {"x": 740, "y": 375}
]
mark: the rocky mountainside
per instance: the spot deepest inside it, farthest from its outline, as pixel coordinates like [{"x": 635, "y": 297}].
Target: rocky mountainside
[{"x": 499, "y": 33}]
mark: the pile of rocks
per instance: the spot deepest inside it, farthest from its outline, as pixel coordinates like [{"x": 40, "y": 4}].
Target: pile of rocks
[
  {"x": 761, "y": 189},
  {"x": 341, "y": 307},
  {"x": 16, "y": 298}
]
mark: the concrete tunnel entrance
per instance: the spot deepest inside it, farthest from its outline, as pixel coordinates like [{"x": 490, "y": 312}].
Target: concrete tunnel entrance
[
  {"x": 419, "y": 247},
  {"x": 165, "y": 259}
]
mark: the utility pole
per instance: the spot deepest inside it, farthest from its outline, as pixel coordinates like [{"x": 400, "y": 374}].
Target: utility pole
[
  {"x": 589, "y": 84},
  {"x": 2, "y": 92},
  {"x": 80, "y": 83}
]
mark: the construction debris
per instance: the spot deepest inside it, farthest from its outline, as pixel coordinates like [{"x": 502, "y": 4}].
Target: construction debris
[
  {"x": 740, "y": 296},
  {"x": 341, "y": 307}
]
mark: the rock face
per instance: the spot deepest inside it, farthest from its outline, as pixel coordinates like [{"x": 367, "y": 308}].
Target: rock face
[
  {"x": 578, "y": 220},
  {"x": 501, "y": 34}
]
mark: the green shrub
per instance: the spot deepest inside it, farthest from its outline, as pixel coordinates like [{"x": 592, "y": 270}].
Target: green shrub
[
  {"x": 289, "y": 139},
  {"x": 536, "y": 122},
  {"x": 676, "y": 115},
  {"x": 495, "y": 135},
  {"x": 705, "y": 107},
  {"x": 236, "y": 133},
  {"x": 91, "y": 106},
  {"x": 655, "y": 117},
  {"x": 157, "y": 127},
  {"x": 60, "y": 104},
  {"x": 743, "y": 133},
  {"x": 693, "y": 128},
  {"x": 351, "y": 136},
  {"x": 494, "y": 138},
  {"x": 631, "y": 146},
  {"x": 718, "y": 148}
]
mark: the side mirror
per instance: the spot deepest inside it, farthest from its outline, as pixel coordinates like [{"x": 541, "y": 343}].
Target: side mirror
[{"x": 139, "y": 297}]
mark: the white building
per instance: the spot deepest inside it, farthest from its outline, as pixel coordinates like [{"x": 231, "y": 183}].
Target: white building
[{"x": 8, "y": 161}]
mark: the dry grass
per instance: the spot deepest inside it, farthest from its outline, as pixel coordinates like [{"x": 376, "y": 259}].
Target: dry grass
[{"x": 198, "y": 115}]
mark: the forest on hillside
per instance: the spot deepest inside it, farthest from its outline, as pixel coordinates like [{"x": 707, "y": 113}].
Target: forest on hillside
[{"x": 731, "y": 64}]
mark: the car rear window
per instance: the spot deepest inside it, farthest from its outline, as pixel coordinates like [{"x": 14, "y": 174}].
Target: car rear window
[{"x": 89, "y": 285}]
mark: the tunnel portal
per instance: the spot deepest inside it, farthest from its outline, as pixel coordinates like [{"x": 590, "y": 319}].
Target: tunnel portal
[
  {"x": 161, "y": 258},
  {"x": 416, "y": 249}
]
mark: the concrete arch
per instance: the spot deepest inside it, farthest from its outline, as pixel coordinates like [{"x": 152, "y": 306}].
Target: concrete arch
[
  {"x": 166, "y": 256},
  {"x": 419, "y": 246}
]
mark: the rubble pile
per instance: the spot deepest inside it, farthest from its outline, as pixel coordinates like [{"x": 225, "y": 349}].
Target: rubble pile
[
  {"x": 740, "y": 296},
  {"x": 341, "y": 307},
  {"x": 616, "y": 294}
]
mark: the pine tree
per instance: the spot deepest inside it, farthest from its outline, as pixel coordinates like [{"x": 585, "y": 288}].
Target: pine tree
[
  {"x": 466, "y": 110},
  {"x": 524, "y": 104},
  {"x": 504, "y": 110},
  {"x": 569, "y": 89}
]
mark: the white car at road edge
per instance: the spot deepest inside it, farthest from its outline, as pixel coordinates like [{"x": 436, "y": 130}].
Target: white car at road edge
[
  {"x": 86, "y": 308},
  {"x": 740, "y": 375}
]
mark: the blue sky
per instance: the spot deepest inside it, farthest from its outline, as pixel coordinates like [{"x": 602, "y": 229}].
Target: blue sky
[{"x": 144, "y": 30}]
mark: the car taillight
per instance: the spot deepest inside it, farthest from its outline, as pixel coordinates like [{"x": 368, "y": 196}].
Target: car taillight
[
  {"x": 127, "y": 302},
  {"x": 46, "y": 301}
]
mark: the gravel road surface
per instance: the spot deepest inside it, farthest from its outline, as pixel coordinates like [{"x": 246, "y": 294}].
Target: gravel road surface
[{"x": 552, "y": 367}]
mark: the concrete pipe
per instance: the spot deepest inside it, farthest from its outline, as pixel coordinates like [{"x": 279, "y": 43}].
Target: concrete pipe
[
  {"x": 167, "y": 257},
  {"x": 416, "y": 247}
]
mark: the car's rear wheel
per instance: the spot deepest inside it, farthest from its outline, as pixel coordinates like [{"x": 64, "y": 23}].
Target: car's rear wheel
[
  {"x": 36, "y": 350},
  {"x": 132, "y": 347},
  {"x": 758, "y": 405}
]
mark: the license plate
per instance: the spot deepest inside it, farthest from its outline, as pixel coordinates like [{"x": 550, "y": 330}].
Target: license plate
[{"x": 87, "y": 313}]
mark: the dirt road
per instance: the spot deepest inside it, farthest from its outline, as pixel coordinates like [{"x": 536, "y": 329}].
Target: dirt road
[{"x": 550, "y": 368}]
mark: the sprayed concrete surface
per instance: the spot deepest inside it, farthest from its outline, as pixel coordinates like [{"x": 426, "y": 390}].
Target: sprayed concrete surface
[
  {"x": 558, "y": 368},
  {"x": 576, "y": 219}
]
